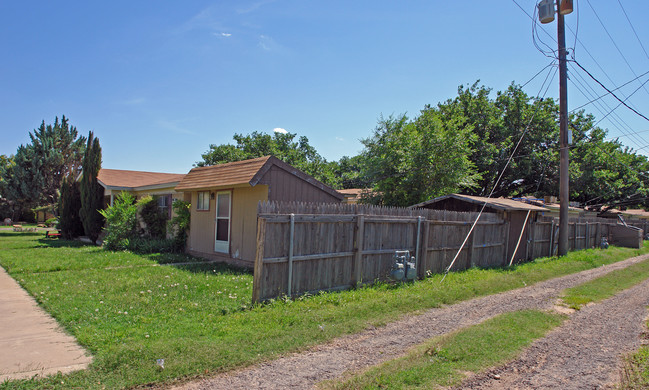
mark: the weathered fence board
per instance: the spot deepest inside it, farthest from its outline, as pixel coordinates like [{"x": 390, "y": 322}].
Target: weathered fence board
[{"x": 304, "y": 248}]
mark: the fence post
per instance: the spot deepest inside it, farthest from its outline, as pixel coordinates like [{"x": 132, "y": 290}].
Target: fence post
[
  {"x": 421, "y": 271},
  {"x": 259, "y": 261},
  {"x": 418, "y": 243},
  {"x": 472, "y": 250},
  {"x": 291, "y": 236},
  {"x": 532, "y": 241},
  {"x": 506, "y": 248},
  {"x": 551, "y": 238},
  {"x": 358, "y": 249}
]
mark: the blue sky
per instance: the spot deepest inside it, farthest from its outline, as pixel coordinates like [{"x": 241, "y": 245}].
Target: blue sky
[{"x": 158, "y": 82}]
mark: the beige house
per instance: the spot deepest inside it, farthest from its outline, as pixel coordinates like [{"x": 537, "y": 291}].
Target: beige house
[
  {"x": 161, "y": 186},
  {"x": 224, "y": 202}
]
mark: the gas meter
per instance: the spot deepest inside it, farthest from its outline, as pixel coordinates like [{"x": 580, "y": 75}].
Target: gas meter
[{"x": 403, "y": 267}]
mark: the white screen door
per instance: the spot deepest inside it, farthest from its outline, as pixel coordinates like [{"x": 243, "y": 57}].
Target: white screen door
[{"x": 222, "y": 236}]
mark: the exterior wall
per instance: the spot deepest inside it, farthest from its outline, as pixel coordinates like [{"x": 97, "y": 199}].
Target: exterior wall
[
  {"x": 284, "y": 186},
  {"x": 201, "y": 227},
  {"x": 243, "y": 226}
]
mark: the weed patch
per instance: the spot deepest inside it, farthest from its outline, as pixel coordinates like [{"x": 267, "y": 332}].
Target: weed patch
[{"x": 445, "y": 360}]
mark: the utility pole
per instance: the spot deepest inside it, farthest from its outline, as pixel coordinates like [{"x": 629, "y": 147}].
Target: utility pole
[{"x": 563, "y": 136}]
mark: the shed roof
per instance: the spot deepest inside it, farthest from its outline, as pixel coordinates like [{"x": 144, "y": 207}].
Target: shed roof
[
  {"x": 497, "y": 203},
  {"x": 131, "y": 180},
  {"x": 246, "y": 172}
]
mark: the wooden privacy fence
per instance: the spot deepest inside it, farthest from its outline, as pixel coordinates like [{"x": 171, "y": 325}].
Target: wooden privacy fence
[
  {"x": 305, "y": 253},
  {"x": 305, "y": 248}
]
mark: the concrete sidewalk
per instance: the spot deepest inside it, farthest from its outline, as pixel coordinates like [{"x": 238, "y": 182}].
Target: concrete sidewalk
[{"x": 31, "y": 341}]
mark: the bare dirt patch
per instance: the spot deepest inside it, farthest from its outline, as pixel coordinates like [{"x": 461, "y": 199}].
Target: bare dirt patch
[
  {"x": 360, "y": 351},
  {"x": 583, "y": 353}
]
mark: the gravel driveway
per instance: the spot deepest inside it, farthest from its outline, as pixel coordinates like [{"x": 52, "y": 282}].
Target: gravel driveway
[{"x": 355, "y": 352}]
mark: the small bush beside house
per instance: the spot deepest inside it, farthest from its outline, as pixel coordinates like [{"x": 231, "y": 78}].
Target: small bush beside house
[{"x": 122, "y": 225}]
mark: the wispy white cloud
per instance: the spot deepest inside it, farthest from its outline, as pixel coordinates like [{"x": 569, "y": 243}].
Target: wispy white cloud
[
  {"x": 268, "y": 44},
  {"x": 340, "y": 139},
  {"x": 254, "y": 6},
  {"x": 226, "y": 35},
  {"x": 173, "y": 126},
  {"x": 280, "y": 130},
  {"x": 207, "y": 19}
]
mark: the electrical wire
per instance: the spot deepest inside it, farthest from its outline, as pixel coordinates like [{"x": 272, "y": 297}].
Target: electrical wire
[
  {"x": 633, "y": 28},
  {"x": 605, "y": 109},
  {"x": 611, "y": 92},
  {"x": 606, "y": 94},
  {"x": 613, "y": 40}
]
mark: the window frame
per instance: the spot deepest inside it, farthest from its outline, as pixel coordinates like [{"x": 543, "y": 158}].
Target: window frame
[{"x": 200, "y": 206}]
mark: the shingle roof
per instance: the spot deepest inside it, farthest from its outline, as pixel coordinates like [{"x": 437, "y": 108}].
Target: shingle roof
[
  {"x": 118, "y": 178},
  {"x": 234, "y": 173},
  {"x": 498, "y": 203},
  {"x": 244, "y": 172}
]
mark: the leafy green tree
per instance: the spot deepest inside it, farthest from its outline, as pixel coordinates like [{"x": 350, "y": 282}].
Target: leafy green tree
[
  {"x": 350, "y": 172},
  {"x": 299, "y": 154},
  {"x": 498, "y": 125},
  {"x": 92, "y": 193},
  {"x": 68, "y": 208},
  {"x": 414, "y": 160}
]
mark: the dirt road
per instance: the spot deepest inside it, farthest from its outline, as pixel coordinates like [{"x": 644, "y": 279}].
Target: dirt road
[{"x": 356, "y": 352}]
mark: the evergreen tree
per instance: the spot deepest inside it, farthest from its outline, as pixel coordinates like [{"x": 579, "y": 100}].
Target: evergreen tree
[
  {"x": 92, "y": 193},
  {"x": 39, "y": 167},
  {"x": 69, "y": 207}
]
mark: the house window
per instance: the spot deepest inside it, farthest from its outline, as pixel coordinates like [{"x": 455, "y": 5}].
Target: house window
[
  {"x": 203, "y": 202},
  {"x": 164, "y": 204}
]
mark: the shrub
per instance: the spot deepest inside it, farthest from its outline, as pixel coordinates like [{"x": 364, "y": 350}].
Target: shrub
[
  {"x": 179, "y": 224},
  {"x": 52, "y": 222},
  {"x": 154, "y": 219},
  {"x": 121, "y": 222}
]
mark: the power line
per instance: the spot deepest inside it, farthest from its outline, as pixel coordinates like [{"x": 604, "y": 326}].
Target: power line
[
  {"x": 606, "y": 94},
  {"x": 633, "y": 28},
  {"x": 613, "y": 40},
  {"x": 605, "y": 109},
  {"x": 611, "y": 92}
]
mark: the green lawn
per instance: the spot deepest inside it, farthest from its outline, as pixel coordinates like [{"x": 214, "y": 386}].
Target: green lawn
[
  {"x": 128, "y": 310},
  {"x": 606, "y": 286}
]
